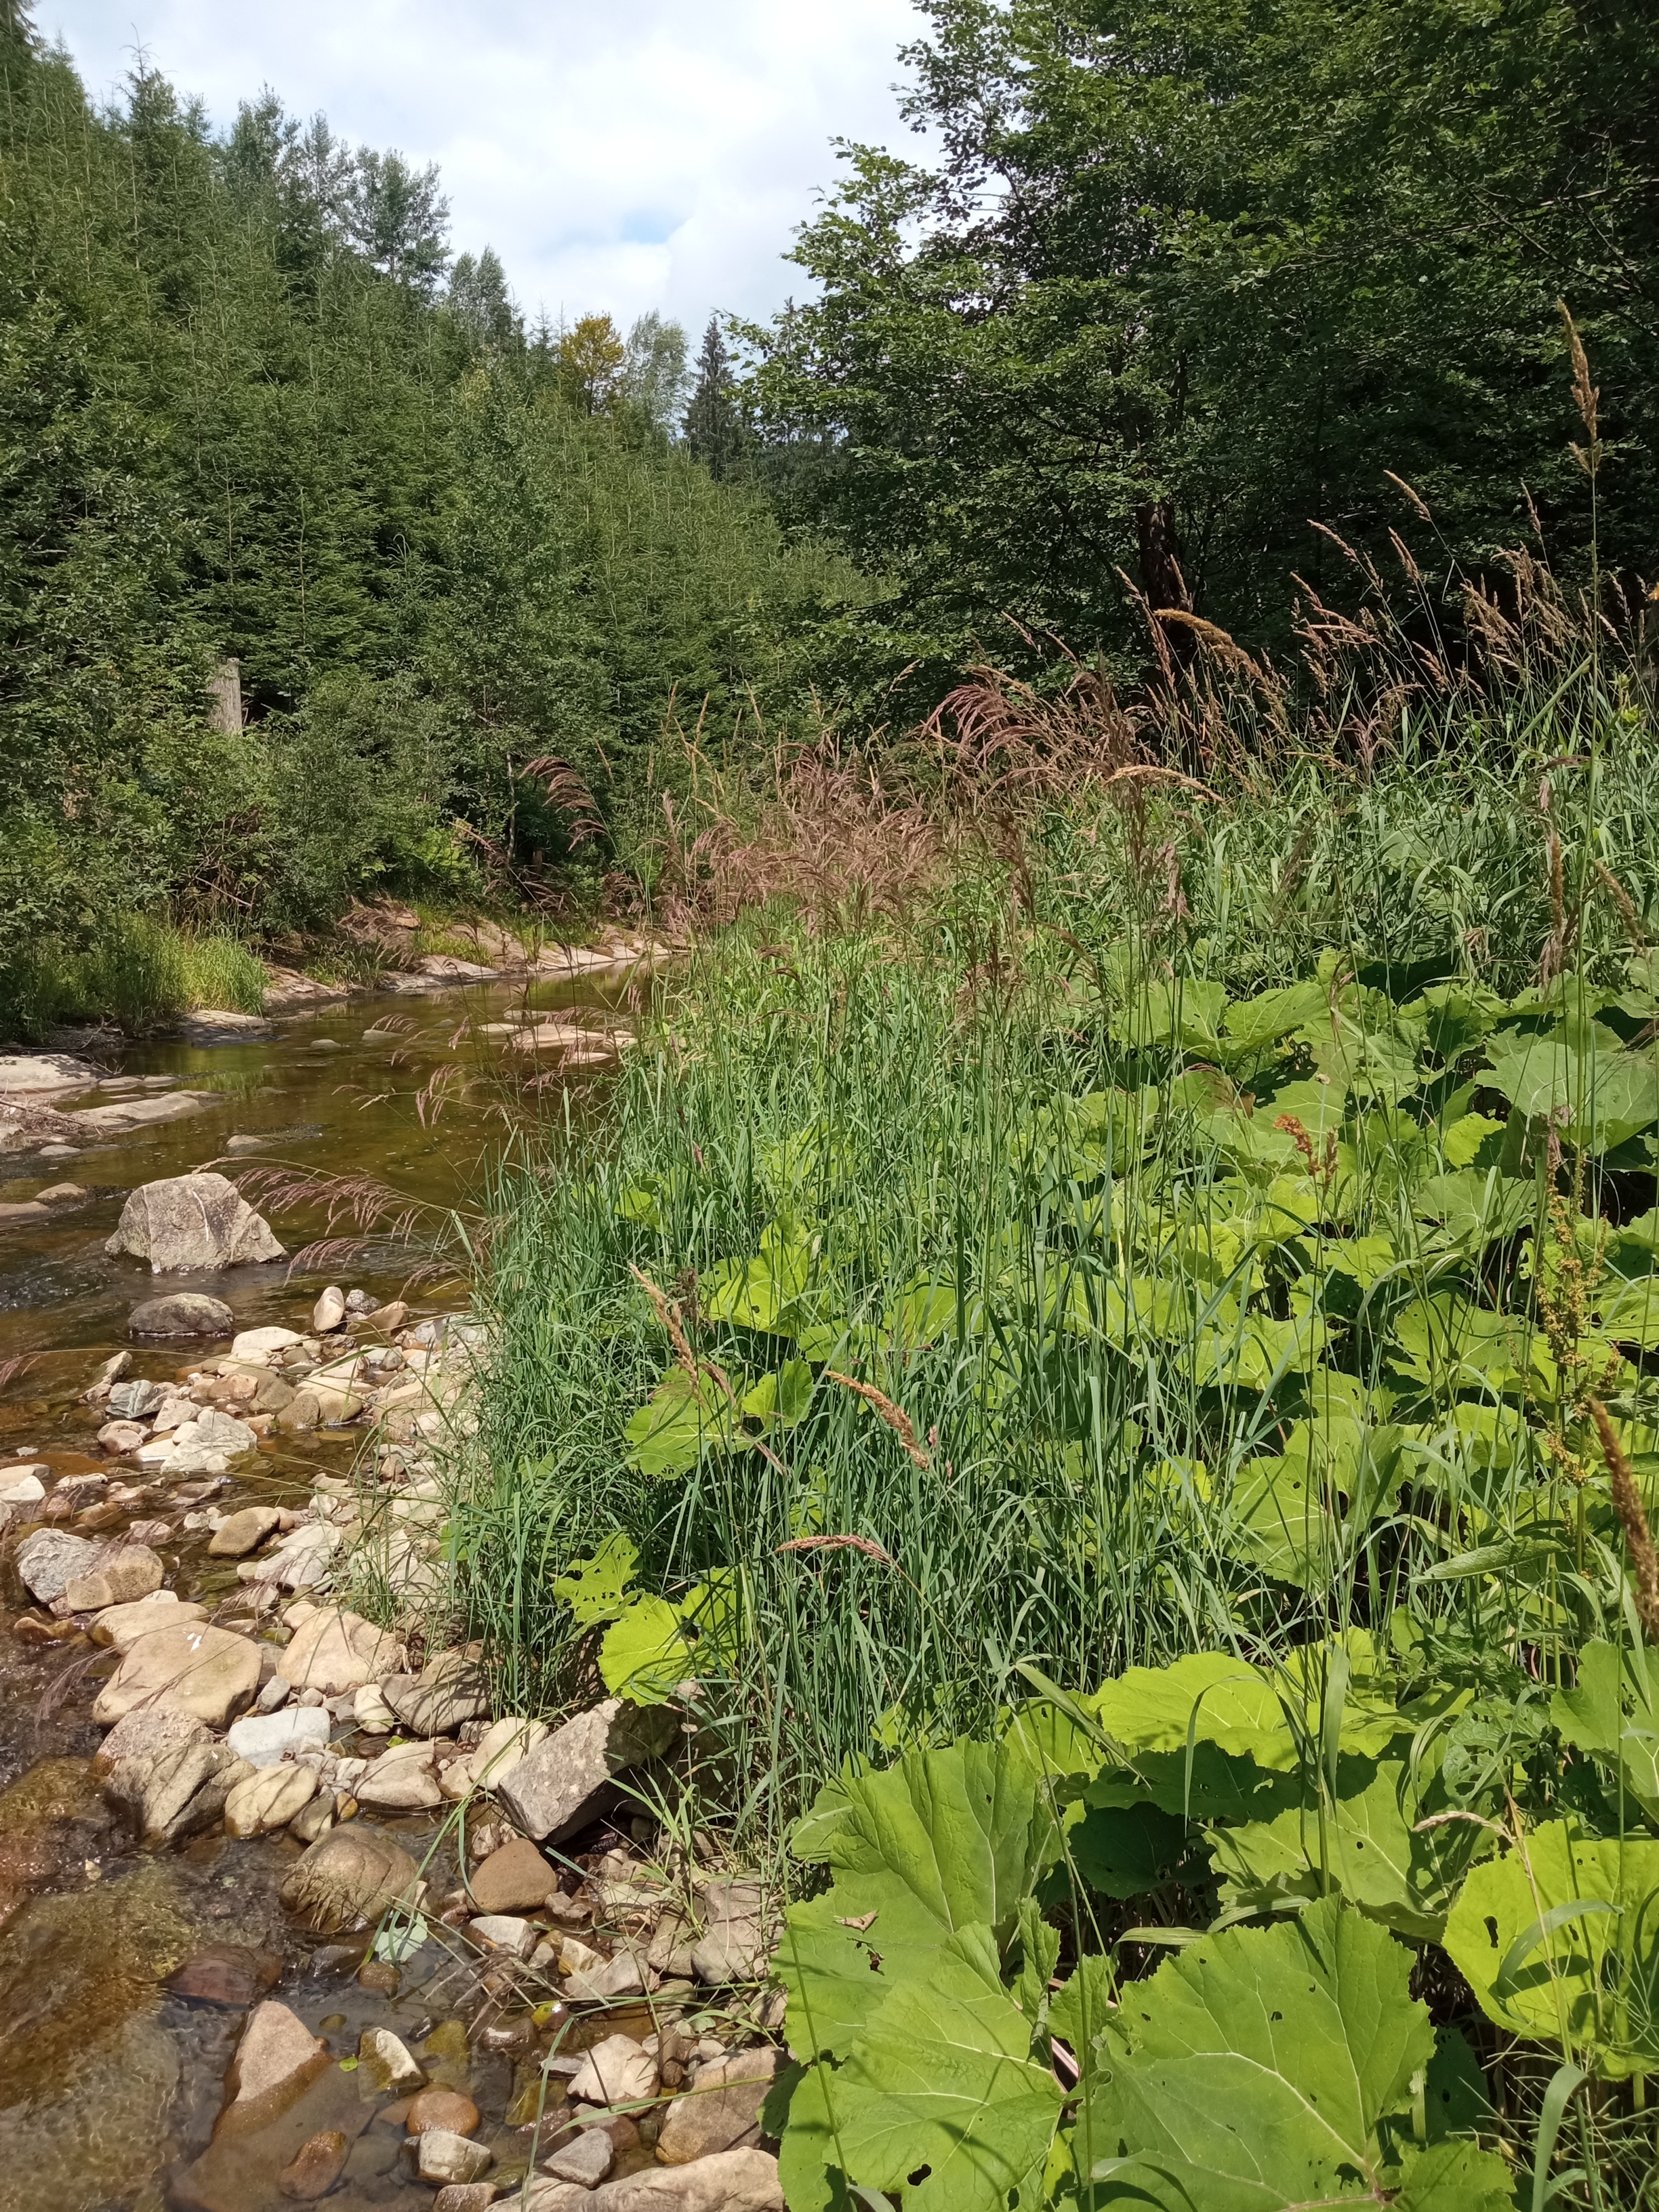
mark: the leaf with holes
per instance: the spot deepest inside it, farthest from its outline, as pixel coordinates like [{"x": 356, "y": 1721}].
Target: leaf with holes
[
  {"x": 939, "y": 2100},
  {"x": 656, "y": 1644},
  {"x": 1255, "y": 2069},
  {"x": 596, "y": 1588},
  {"x": 679, "y": 1422}
]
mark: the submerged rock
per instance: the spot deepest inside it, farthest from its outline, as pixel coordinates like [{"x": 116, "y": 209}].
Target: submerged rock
[
  {"x": 185, "y": 1313},
  {"x": 226, "y": 1974},
  {"x": 192, "y": 1221},
  {"x": 275, "y": 2061},
  {"x": 315, "y": 2167},
  {"x": 350, "y": 1877}
]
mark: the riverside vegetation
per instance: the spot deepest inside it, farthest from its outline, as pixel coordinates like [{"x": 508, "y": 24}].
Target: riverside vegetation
[{"x": 1111, "y": 1332}]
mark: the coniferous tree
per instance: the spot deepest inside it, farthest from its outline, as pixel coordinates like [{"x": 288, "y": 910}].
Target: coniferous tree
[
  {"x": 714, "y": 420},
  {"x": 398, "y": 219}
]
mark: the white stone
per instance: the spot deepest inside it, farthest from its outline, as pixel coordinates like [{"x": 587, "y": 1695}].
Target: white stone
[
  {"x": 370, "y": 1710},
  {"x": 617, "y": 2071},
  {"x": 20, "y": 1486},
  {"x": 329, "y": 1312},
  {"x": 260, "y": 1343},
  {"x": 386, "y": 2064},
  {"x": 500, "y": 1747},
  {"x": 504, "y": 1931},
  {"x": 266, "y": 1739},
  {"x": 446, "y": 2158}
]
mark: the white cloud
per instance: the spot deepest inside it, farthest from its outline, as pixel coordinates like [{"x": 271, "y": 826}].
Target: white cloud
[{"x": 640, "y": 154}]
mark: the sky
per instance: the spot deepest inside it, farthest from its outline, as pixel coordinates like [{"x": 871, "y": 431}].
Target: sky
[{"x": 618, "y": 155}]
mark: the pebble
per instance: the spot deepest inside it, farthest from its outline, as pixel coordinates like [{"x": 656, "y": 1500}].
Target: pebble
[
  {"x": 503, "y": 1932},
  {"x": 385, "y": 2066},
  {"x": 442, "y": 2156},
  {"x": 586, "y": 2159},
  {"x": 243, "y": 1532},
  {"x": 441, "y": 2108}
]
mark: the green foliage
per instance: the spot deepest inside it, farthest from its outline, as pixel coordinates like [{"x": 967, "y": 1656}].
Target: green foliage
[
  {"x": 245, "y": 424},
  {"x": 1171, "y": 286}
]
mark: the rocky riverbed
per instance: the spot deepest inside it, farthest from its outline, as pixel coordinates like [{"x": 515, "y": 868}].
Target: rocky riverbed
[{"x": 289, "y": 1910}]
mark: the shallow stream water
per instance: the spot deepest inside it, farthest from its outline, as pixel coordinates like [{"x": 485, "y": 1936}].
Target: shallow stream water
[{"x": 109, "y": 2085}]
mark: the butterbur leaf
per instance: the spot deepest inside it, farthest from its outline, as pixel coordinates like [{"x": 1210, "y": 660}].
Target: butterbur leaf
[
  {"x": 1080, "y": 2012},
  {"x": 780, "y": 1399},
  {"x": 939, "y": 2098},
  {"x": 1570, "y": 1955},
  {"x": 753, "y": 1293},
  {"x": 1610, "y": 1713},
  {"x": 680, "y": 1420},
  {"x": 941, "y": 1840},
  {"x": 655, "y": 1643},
  {"x": 1254, "y": 2070},
  {"x": 1124, "y": 1850},
  {"x": 596, "y": 1588},
  {"x": 1153, "y": 1708},
  {"x": 1367, "y": 1844},
  {"x": 1455, "y": 2176}
]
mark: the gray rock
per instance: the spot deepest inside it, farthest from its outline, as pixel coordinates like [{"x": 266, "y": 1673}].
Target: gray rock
[
  {"x": 266, "y": 1739},
  {"x": 185, "y": 1313},
  {"x": 50, "y": 1560},
  {"x": 131, "y": 1402},
  {"x": 179, "y": 1792},
  {"x": 571, "y": 1775},
  {"x": 350, "y": 1877},
  {"x": 192, "y": 1221},
  {"x": 585, "y": 2159}
]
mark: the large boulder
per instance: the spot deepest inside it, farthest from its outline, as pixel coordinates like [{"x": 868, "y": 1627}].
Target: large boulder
[
  {"x": 194, "y": 1669},
  {"x": 571, "y": 1775},
  {"x": 184, "y": 1313},
  {"x": 192, "y": 1221},
  {"x": 177, "y": 1791},
  {"x": 350, "y": 1877}
]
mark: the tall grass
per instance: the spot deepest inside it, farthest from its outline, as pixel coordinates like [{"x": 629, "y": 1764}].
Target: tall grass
[
  {"x": 907, "y": 1091},
  {"x": 138, "y": 971}
]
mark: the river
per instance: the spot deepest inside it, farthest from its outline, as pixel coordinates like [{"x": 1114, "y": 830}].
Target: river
[{"x": 111, "y": 2079}]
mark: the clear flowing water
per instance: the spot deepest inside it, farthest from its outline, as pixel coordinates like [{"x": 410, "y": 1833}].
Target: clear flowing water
[{"x": 110, "y": 2086}]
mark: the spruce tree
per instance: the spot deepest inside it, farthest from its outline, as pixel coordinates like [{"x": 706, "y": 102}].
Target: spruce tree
[{"x": 714, "y": 420}]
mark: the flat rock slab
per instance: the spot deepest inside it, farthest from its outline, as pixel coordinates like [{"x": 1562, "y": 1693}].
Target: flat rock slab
[
  {"x": 192, "y": 1221},
  {"x": 195, "y": 1669},
  {"x": 120, "y": 1627},
  {"x": 723, "y": 2112},
  {"x": 39, "y": 1074},
  {"x": 51, "y": 1559},
  {"x": 568, "y": 1777},
  {"x": 91, "y": 1122}
]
